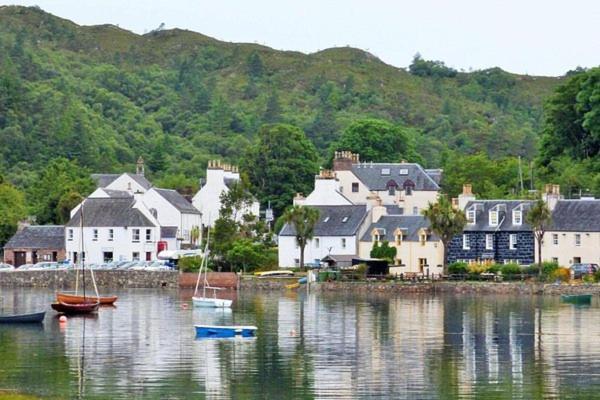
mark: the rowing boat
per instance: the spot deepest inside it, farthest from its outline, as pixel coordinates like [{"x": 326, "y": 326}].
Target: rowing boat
[
  {"x": 22, "y": 318},
  {"x": 76, "y": 299}
]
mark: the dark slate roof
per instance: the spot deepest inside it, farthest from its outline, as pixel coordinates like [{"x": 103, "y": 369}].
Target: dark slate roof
[
  {"x": 117, "y": 193},
  {"x": 331, "y": 221},
  {"x": 409, "y": 224},
  {"x": 371, "y": 175},
  {"x": 482, "y": 215},
  {"x": 177, "y": 201},
  {"x": 103, "y": 180},
  {"x": 393, "y": 209},
  {"x": 38, "y": 237},
  {"x": 110, "y": 212},
  {"x": 576, "y": 215},
  {"x": 435, "y": 174},
  {"x": 168, "y": 232}
]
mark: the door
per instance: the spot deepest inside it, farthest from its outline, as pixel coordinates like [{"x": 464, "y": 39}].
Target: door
[
  {"x": 34, "y": 257},
  {"x": 20, "y": 258},
  {"x": 422, "y": 265}
]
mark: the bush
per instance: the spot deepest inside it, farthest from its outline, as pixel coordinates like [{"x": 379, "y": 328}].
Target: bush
[
  {"x": 189, "y": 264},
  {"x": 494, "y": 268},
  {"x": 589, "y": 278},
  {"x": 561, "y": 274},
  {"x": 477, "y": 269},
  {"x": 510, "y": 269},
  {"x": 457, "y": 268}
]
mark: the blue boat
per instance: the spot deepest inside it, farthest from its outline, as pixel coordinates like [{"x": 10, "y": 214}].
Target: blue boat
[
  {"x": 224, "y": 331},
  {"x": 23, "y": 318}
]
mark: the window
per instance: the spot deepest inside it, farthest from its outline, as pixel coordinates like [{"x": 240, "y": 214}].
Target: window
[
  {"x": 423, "y": 238},
  {"x": 555, "y": 239},
  {"x": 135, "y": 235},
  {"x": 148, "y": 235},
  {"x": 489, "y": 241},
  {"x": 415, "y": 210},
  {"x": 343, "y": 243},
  {"x": 555, "y": 260},
  {"x": 354, "y": 187},
  {"x": 148, "y": 256},
  {"x": 317, "y": 243},
  {"x": 385, "y": 171},
  {"x": 392, "y": 190},
  {"x": 422, "y": 265},
  {"x": 466, "y": 242},
  {"x": 70, "y": 234},
  {"x": 576, "y": 260},
  {"x": 577, "y": 239},
  {"x": 471, "y": 216},
  {"x": 111, "y": 235},
  {"x": 107, "y": 256},
  {"x": 403, "y": 171},
  {"x": 494, "y": 218},
  {"x": 517, "y": 217},
  {"x": 345, "y": 219},
  {"x": 326, "y": 219},
  {"x": 95, "y": 235},
  {"x": 135, "y": 256},
  {"x": 513, "y": 241},
  {"x": 408, "y": 190},
  {"x": 376, "y": 237},
  {"x": 399, "y": 239}
]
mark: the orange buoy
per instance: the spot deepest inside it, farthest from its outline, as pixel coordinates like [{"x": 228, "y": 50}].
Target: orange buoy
[{"x": 62, "y": 319}]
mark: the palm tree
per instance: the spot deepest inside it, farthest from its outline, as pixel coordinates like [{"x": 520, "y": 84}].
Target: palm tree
[
  {"x": 446, "y": 222},
  {"x": 539, "y": 217},
  {"x": 303, "y": 220}
]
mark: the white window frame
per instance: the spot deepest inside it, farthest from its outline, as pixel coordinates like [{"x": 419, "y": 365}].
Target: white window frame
[
  {"x": 466, "y": 242},
  {"x": 578, "y": 240},
  {"x": 494, "y": 218},
  {"x": 111, "y": 235},
  {"x": 70, "y": 235},
  {"x": 517, "y": 217},
  {"x": 489, "y": 241},
  {"x": 555, "y": 239},
  {"x": 148, "y": 235},
  {"x": 135, "y": 235},
  {"x": 471, "y": 216},
  {"x": 343, "y": 243},
  {"x": 512, "y": 241}
]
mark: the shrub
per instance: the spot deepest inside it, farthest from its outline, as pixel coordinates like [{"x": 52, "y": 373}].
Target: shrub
[
  {"x": 561, "y": 274},
  {"x": 477, "y": 268},
  {"x": 510, "y": 269},
  {"x": 494, "y": 268},
  {"x": 457, "y": 268},
  {"x": 189, "y": 264},
  {"x": 589, "y": 278}
]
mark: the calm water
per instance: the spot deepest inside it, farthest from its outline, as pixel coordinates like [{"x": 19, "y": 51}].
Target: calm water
[{"x": 308, "y": 346}]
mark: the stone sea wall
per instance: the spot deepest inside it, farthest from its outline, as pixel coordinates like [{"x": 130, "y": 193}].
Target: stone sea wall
[{"x": 62, "y": 279}]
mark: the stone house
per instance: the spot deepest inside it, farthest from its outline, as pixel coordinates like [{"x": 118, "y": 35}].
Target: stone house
[{"x": 35, "y": 243}]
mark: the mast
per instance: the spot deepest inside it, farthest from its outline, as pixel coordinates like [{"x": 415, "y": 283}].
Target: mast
[{"x": 82, "y": 249}]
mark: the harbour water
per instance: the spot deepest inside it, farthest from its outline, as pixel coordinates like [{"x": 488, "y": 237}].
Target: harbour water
[{"x": 307, "y": 346}]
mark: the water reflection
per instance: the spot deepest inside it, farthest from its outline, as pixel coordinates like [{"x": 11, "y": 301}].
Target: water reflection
[{"x": 308, "y": 346}]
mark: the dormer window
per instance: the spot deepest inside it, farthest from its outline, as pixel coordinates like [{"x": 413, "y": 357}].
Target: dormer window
[
  {"x": 471, "y": 216},
  {"x": 326, "y": 219},
  {"x": 391, "y": 187},
  {"x": 403, "y": 171},
  {"x": 494, "y": 218},
  {"x": 385, "y": 171},
  {"x": 398, "y": 236},
  {"x": 408, "y": 187},
  {"x": 345, "y": 219},
  {"x": 517, "y": 217},
  {"x": 423, "y": 237}
]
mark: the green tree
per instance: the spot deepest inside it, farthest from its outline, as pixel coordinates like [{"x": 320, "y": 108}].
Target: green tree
[
  {"x": 245, "y": 255},
  {"x": 281, "y": 163},
  {"x": 273, "y": 111},
  {"x": 539, "y": 218},
  {"x": 379, "y": 141},
  {"x": 446, "y": 222},
  {"x": 255, "y": 65},
  {"x": 384, "y": 251},
  {"x": 67, "y": 202},
  {"x": 303, "y": 220},
  {"x": 12, "y": 210}
]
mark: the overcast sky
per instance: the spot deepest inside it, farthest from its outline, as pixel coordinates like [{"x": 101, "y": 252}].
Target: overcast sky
[{"x": 537, "y": 37}]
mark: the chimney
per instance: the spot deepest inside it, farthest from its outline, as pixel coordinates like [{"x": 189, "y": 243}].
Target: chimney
[
  {"x": 343, "y": 160},
  {"x": 378, "y": 210},
  {"x": 455, "y": 203},
  {"x": 466, "y": 196},
  {"x": 551, "y": 195},
  {"x": 215, "y": 175},
  {"x": 139, "y": 168},
  {"x": 299, "y": 199}
]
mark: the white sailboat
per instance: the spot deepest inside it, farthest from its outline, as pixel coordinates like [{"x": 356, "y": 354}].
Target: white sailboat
[{"x": 204, "y": 301}]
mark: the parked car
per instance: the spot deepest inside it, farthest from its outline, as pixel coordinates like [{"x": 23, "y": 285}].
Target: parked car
[
  {"x": 579, "y": 270},
  {"x": 25, "y": 267},
  {"x": 6, "y": 267}
]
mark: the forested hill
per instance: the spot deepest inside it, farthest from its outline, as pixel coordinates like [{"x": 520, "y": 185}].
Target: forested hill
[{"x": 103, "y": 96}]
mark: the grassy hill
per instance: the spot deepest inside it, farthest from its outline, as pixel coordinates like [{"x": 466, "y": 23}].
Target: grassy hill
[{"x": 103, "y": 96}]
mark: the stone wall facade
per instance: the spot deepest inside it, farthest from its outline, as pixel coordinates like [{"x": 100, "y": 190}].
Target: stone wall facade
[
  {"x": 64, "y": 280},
  {"x": 40, "y": 255},
  {"x": 524, "y": 253}
]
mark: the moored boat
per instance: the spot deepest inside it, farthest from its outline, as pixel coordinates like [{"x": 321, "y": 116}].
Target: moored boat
[
  {"x": 576, "y": 298},
  {"x": 213, "y": 302},
  {"x": 76, "y": 299},
  {"x": 204, "y": 300},
  {"x": 225, "y": 331},
  {"x": 79, "y": 308},
  {"x": 23, "y": 318}
]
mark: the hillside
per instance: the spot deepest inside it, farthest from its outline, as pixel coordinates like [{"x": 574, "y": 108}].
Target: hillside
[{"x": 103, "y": 96}]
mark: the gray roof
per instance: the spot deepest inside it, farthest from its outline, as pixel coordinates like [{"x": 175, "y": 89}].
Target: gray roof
[
  {"x": 331, "y": 221},
  {"x": 393, "y": 209},
  {"x": 409, "y": 224},
  {"x": 38, "y": 237},
  {"x": 117, "y": 193},
  {"x": 167, "y": 232},
  {"x": 576, "y": 215},
  {"x": 177, "y": 201},
  {"x": 110, "y": 212},
  {"x": 103, "y": 180},
  {"x": 482, "y": 215},
  {"x": 371, "y": 174},
  {"x": 435, "y": 174}
]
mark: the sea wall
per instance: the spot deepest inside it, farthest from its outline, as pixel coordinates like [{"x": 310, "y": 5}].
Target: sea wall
[{"x": 62, "y": 279}]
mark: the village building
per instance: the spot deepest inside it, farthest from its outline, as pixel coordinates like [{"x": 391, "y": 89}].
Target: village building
[
  {"x": 127, "y": 182},
  {"x": 35, "y": 243},
  {"x": 219, "y": 178},
  {"x": 405, "y": 185},
  {"x": 418, "y": 250},
  {"x": 496, "y": 231}
]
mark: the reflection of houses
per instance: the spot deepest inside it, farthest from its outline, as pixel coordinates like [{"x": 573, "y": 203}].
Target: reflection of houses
[
  {"x": 219, "y": 178},
  {"x": 496, "y": 231},
  {"x": 418, "y": 250},
  {"x": 35, "y": 243}
]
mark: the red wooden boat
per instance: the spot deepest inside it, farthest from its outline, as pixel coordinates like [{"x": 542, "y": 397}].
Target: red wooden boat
[
  {"x": 79, "y": 308},
  {"x": 76, "y": 299}
]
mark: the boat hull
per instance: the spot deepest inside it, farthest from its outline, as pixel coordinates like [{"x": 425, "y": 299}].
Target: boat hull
[
  {"x": 222, "y": 331},
  {"x": 81, "y": 308},
  {"x": 211, "y": 302},
  {"x": 23, "y": 318},
  {"x": 77, "y": 299},
  {"x": 577, "y": 298}
]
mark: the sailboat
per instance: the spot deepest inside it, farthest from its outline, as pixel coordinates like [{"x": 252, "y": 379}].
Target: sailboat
[
  {"x": 78, "y": 304},
  {"x": 204, "y": 301}
]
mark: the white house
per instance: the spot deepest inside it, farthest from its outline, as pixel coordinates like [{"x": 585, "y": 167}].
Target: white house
[
  {"x": 132, "y": 183},
  {"x": 326, "y": 192},
  {"x": 407, "y": 186},
  {"x": 336, "y": 234},
  {"x": 171, "y": 209},
  {"x": 113, "y": 229},
  {"x": 219, "y": 177}
]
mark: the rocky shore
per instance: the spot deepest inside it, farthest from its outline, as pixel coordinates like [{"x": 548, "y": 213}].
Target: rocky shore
[{"x": 62, "y": 279}]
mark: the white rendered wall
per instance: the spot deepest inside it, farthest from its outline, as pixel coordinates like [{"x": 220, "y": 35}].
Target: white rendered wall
[
  {"x": 169, "y": 215},
  {"x": 326, "y": 193},
  {"x": 289, "y": 252},
  {"x": 126, "y": 183},
  {"x": 566, "y": 250}
]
